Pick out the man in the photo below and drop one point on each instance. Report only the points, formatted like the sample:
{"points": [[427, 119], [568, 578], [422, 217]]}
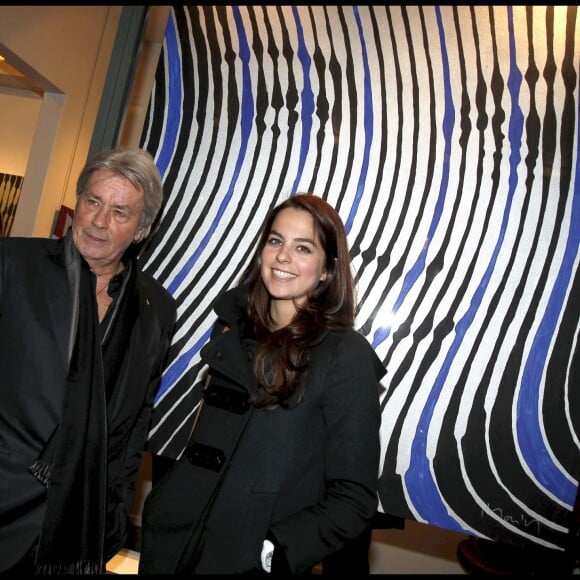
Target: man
{"points": [[83, 338]]}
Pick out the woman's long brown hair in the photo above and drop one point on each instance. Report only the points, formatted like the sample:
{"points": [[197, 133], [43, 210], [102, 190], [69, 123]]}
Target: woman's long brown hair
{"points": [[281, 360]]}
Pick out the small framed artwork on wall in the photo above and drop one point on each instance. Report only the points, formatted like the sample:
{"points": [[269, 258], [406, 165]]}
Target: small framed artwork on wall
{"points": [[10, 188], [63, 221]]}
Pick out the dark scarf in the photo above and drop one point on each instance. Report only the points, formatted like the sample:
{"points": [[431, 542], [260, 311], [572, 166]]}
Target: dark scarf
{"points": [[74, 463]]}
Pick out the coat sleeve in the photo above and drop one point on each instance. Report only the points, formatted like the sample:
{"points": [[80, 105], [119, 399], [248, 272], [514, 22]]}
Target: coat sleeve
{"points": [[351, 412]]}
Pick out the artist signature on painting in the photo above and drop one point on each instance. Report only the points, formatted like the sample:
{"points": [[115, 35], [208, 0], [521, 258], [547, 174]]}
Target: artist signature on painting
{"points": [[520, 521]]}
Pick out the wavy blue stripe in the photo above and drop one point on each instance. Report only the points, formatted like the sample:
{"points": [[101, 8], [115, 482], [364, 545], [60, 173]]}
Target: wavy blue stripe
{"points": [[174, 372], [247, 116], [421, 486], [382, 333], [307, 98], [528, 424], [368, 125], [174, 90], [422, 489]]}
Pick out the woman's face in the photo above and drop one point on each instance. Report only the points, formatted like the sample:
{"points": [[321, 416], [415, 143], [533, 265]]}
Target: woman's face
{"points": [[292, 260]]}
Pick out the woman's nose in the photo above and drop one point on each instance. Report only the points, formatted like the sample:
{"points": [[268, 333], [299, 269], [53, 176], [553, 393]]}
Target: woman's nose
{"points": [[282, 255]]}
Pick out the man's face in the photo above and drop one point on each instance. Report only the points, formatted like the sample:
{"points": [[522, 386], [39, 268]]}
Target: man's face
{"points": [[106, 219]]}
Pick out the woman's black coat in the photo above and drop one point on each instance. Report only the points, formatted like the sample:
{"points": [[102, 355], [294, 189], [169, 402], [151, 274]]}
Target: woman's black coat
{"points": [[307, 475]]}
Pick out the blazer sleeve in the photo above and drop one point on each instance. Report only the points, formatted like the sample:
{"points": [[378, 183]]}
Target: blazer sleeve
{"points": [[120, 507], [136, 445]]}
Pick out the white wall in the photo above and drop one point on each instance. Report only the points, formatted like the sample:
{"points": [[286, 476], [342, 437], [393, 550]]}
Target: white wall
{"points": [[18, 118], [67, 48]]}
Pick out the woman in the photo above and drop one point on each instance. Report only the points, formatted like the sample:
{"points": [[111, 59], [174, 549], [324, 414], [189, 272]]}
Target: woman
{"points": [[282, 466]]}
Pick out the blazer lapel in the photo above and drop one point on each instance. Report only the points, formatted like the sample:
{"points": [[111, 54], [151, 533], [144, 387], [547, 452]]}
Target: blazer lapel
{"points": [[140, 354], [60, 300]]}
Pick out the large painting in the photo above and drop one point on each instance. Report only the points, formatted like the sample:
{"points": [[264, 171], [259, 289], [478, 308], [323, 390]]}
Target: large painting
{"points": [[447, 138]]}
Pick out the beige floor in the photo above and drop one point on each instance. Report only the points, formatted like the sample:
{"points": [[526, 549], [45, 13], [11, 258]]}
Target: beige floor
{"points": [[418, 549], [125, 562]]}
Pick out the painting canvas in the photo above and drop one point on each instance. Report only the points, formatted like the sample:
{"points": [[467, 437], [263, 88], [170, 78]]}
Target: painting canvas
{"points": [[447, 139]]}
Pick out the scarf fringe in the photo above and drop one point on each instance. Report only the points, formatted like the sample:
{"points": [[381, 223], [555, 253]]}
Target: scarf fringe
{"points": [[76, 568], [41, 471]]}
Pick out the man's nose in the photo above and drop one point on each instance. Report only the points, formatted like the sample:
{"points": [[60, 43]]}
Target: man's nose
{"points": [[101, 216]]}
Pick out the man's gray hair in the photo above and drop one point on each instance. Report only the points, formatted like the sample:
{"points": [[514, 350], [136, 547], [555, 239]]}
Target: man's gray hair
{"points": [[136, 165]]}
